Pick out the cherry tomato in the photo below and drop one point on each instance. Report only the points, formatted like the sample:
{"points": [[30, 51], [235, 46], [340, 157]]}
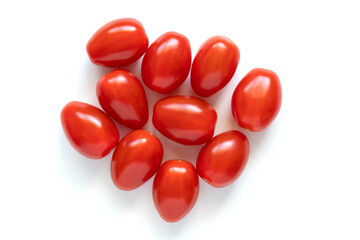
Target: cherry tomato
{"points": [[166, 63], [122, 96], [175, 189], [256, 100], [222, 160], [118, 43], [214, 65], [186, 120], [136, 159], [89, 130]]}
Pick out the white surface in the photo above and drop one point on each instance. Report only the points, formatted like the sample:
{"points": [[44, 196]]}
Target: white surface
{"points": [[302, 179]]}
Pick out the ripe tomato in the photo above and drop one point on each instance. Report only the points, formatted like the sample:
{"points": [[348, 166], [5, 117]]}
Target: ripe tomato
{"points": [[118, 43], [256, 100], [214, 65], [222, 160], [122, 96], [136, 159], [186, 120], [166, 63], [89, 130], [175, 189]]}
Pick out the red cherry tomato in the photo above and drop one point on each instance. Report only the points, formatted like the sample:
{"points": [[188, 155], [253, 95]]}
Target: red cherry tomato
{"points": [[118, 43], [175, 189], [186, 120], [222, 160], [257, 100], [136, 159], [214, 65], [89, 130], [166, 63], [122, 96]]}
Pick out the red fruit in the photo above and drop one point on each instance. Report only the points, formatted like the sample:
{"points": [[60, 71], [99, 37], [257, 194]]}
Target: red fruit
{"points": [[122, 96], [118, 43], [136, 159], [175, 189], [89, 130], [214, 65], [166, 63], [186, 120], [222, 160], [256, 100]]}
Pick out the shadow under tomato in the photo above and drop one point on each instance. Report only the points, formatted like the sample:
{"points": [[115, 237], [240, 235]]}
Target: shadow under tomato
{"points": [[78, 171], [256, 139], [211, 199], [174, 150], [169, 230], [122, 129], [184, 89], [92, 72], [135, 68], [165, 229], [120, 202], [214, 100]]}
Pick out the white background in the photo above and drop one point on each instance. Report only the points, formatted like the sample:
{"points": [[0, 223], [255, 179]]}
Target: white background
{"points": [[303, 176]]}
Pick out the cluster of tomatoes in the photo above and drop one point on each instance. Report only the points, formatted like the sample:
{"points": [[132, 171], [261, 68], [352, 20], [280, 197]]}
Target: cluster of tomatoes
{"points": [[186, 120]]}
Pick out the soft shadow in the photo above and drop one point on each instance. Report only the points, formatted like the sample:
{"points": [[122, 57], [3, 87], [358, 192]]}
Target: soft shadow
{"points": [[211, 199], [168, 230], [78, 171], [256, 139], [184, 89], [123, 201], [165, 229], [214, 99], [152, 97], [122, 129], [173, 150], [88, 79], [92, 72], [135, 68], [209, 202]]}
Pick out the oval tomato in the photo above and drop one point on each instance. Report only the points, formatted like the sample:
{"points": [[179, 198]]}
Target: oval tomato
{"points": [[122, 96], [175, 189], [118, 43], [89, 130], [184, 119], [222, 160], [214, 65], [136, 159], [256, 100], [166, 63]]}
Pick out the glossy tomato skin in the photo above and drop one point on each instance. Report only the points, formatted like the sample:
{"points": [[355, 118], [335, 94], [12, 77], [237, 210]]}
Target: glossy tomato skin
{"points": [[214, 65], [256, 100], [185, 119], [166, 63], [118, 43], [175, 189], [222, 160], [122, 96], [89, 130], [136, 159]]}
